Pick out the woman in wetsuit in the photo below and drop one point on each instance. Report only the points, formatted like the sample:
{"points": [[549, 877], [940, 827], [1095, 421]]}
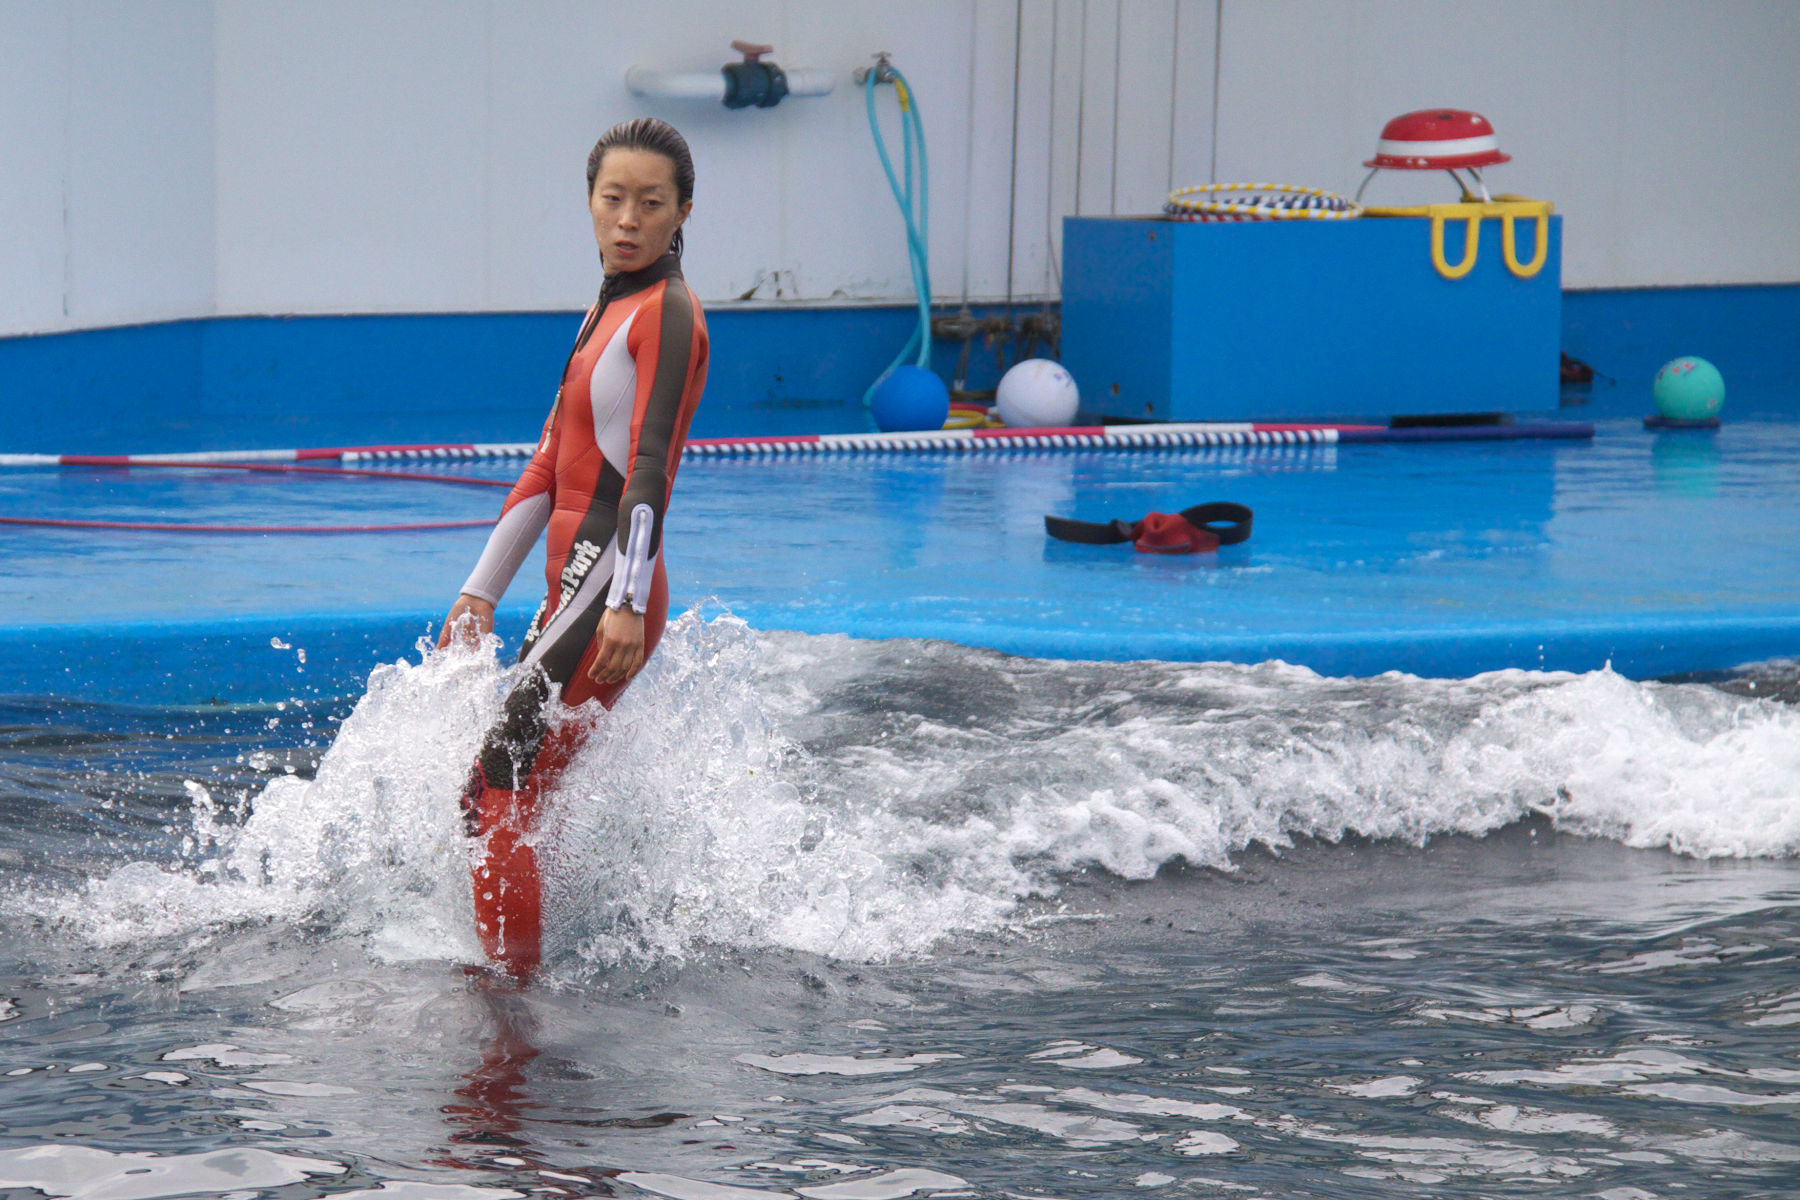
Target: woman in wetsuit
{"points": [[600, 482]]}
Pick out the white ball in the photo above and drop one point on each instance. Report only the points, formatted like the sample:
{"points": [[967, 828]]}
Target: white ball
{"points": [[1035, 394]]}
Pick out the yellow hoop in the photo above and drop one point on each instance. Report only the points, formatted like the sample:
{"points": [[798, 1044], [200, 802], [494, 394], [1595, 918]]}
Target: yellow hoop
{"points": [[961, 418], [1334, 208]]}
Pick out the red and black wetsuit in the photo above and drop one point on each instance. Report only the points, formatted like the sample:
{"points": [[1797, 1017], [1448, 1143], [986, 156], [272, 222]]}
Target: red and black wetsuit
{"points": [[600, 482]]}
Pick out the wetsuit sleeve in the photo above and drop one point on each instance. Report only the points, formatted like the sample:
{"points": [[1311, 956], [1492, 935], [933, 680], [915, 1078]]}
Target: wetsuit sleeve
{"points": [[522, 519], [668, 343]]}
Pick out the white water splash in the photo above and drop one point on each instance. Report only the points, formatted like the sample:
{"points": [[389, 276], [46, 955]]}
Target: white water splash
{"points": [[372, 846], [864, 800]]}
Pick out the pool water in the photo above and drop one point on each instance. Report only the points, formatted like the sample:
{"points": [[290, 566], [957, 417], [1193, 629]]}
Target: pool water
{"points": [[1653, 553], [853, 919], [931, 857]]}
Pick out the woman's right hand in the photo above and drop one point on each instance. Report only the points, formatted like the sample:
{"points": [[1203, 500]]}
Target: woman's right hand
{"points": [[458, 626]]}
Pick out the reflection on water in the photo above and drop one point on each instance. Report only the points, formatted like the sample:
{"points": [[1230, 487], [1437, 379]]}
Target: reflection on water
{"points": [[1686, 463], [1340, 1047], [491, 1104]]}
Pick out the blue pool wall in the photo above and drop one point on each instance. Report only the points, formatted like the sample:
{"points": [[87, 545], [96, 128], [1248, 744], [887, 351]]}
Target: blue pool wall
{"points": [[263, 381], [228, 382], [1751, 333]]}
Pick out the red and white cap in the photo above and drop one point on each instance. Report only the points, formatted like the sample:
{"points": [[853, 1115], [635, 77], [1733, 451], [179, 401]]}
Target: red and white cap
{"points": [[1437, 139]]}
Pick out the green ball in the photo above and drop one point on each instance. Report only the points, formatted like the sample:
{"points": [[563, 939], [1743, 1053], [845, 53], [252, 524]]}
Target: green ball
{"points": [[1689, 389]]}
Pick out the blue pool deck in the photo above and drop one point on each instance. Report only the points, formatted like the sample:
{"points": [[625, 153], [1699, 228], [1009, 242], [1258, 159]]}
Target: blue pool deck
{"points": [[1658, 553]]}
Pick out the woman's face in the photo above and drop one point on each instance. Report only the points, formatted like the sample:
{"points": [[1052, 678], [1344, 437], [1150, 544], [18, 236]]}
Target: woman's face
{"points": [[635, 208]]}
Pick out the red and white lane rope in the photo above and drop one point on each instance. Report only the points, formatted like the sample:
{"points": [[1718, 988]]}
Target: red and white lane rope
{"points": [[1075, 437], [1082, 437], [244, 458], [970, 440]]}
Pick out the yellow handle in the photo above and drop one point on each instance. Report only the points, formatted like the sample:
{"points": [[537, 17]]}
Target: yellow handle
{"points": [[1510, 241], [1471, 245], [1507, 208]]}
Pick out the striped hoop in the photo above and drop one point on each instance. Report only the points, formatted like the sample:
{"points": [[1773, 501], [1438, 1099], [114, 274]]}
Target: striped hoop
{"points": [[1257, 202]]}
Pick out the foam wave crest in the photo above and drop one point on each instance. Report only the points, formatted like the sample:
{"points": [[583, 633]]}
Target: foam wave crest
{"points": [[995, 769], [1687, 768], [863, 800]]}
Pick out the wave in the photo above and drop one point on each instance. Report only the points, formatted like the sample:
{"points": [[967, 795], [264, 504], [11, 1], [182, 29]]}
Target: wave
{"points": [[864, 800]]}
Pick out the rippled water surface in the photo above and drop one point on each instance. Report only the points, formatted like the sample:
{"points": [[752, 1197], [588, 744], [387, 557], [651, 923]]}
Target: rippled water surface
{"points": [[863, 920]]}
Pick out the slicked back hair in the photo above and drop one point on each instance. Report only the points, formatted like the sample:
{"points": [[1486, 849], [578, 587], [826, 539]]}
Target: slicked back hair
{"points": [[658, 137]]}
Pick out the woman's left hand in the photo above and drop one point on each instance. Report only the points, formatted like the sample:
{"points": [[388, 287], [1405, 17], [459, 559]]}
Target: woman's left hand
{"points": [[621, 640]]}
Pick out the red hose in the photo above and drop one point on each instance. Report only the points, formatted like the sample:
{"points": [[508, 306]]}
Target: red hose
{"points": [[74, 460], [186, 527], [283, 468]]}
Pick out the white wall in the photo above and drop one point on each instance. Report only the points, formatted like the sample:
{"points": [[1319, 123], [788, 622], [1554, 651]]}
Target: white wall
{"points": [[106, 163], [435, 161], [169, 158], [1664, 130]]}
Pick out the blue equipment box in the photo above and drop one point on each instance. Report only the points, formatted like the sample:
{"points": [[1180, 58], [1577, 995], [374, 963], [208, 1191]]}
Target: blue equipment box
{"points": [[1305, 320]]}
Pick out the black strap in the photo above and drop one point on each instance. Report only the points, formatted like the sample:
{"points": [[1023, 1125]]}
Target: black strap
{"points": [[1228, 522], [1090, 532]]}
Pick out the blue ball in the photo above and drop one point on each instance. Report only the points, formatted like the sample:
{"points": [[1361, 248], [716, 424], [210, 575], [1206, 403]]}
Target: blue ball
{"points": [[909, 399]]}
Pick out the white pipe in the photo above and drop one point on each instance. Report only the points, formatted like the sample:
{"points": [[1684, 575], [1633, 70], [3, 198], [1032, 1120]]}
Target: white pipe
{"points": [[809, 81], [653, 83]]}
